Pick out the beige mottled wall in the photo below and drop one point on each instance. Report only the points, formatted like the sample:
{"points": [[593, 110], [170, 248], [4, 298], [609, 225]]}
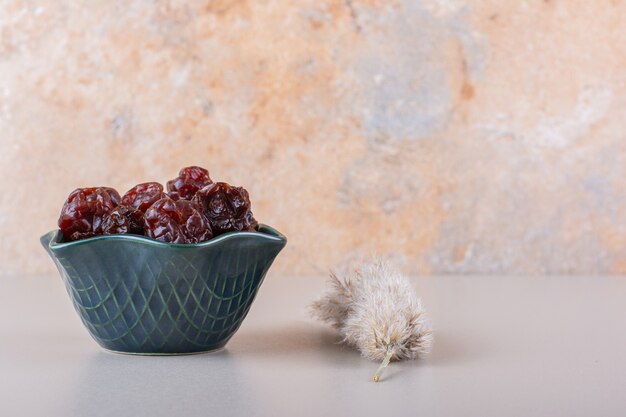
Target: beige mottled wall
{"points": [[455, 136]]}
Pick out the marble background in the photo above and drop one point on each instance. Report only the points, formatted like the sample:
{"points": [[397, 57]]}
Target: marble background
{"points": [[477, 136]]}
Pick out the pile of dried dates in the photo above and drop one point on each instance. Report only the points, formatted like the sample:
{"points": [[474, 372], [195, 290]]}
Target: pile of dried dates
{"points": [[193, 210]]}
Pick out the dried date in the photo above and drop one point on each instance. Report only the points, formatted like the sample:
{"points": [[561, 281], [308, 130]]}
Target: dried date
{"points": [[227, 208], [84, 211], [123, 220], [178, 221], [189, 181], [142, 196]]}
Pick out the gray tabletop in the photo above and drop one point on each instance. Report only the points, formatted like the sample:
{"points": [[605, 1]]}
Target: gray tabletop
{"points": [[504, 346]]}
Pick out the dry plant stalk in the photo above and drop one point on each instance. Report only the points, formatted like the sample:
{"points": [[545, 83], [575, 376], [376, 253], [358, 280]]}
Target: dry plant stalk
{"points": [[375, 310]]}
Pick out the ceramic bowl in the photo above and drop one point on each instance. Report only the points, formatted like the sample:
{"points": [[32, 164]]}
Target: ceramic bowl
{"points": [[142, 296]]}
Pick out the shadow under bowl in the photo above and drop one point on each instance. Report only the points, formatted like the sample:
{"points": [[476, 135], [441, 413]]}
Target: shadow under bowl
{"points": [[141, 296]]}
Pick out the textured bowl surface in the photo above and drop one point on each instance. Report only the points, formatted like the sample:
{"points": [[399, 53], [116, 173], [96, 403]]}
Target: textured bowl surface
{"points": [[138, 295]]}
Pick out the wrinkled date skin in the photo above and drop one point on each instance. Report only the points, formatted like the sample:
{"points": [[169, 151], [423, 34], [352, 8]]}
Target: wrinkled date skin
{"points": [[84, 211], [179, 221], [142, 196], [226, 207], [123, 220], [189, 181]]}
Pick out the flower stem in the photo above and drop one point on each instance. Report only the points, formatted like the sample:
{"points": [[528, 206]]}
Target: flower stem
{"points": [[383, 365]]}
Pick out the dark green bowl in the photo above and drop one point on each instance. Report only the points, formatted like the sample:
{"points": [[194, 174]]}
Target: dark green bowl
{"points": [[139, 295]]}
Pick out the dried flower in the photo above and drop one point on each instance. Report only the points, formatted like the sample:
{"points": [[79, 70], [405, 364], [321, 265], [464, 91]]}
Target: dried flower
{"points": [[375, 310]]}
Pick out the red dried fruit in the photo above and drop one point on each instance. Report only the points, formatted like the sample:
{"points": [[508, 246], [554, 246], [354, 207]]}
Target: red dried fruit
{"points": [[84, 210], [122, 220], [176, 222], [226, 207], [189, 181], [142, 196]]}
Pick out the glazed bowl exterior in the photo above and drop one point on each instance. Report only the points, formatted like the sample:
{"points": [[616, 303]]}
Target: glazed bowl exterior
{"points": [[142, 296]]}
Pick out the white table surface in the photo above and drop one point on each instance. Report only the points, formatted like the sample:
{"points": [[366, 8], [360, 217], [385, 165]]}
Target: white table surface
{"points": [[504, 346]]}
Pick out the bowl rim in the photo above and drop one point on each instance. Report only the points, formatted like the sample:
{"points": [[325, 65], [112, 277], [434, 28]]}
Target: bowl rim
{"points": [[264, 232]]}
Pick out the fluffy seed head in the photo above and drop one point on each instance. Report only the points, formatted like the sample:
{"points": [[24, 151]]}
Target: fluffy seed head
{"points": [[376, 311]]}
